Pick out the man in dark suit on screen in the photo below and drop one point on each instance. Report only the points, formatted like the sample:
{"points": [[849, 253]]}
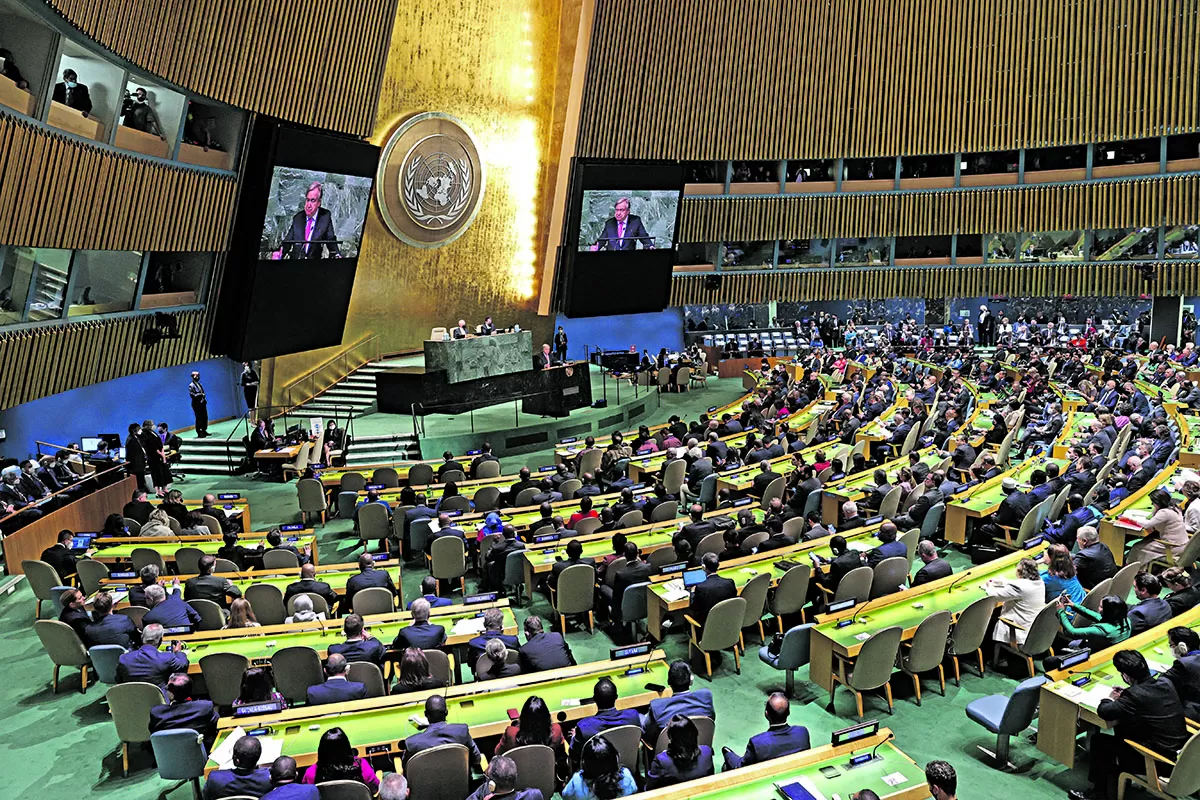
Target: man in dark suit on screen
{"points": [[311, 230], [624, 231]]}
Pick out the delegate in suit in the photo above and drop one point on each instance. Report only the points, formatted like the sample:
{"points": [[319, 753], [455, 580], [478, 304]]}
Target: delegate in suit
{"points": [[624, 231], [311, 233]]}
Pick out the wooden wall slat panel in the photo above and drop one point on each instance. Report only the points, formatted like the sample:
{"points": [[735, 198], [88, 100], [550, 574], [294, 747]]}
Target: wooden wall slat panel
{"points": [[979, 76], [88, 198], [46, 361], [288, 59], [1145, 202]]}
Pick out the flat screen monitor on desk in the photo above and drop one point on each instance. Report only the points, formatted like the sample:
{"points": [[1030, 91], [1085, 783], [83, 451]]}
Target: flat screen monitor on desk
{"points": [[89, 444]]}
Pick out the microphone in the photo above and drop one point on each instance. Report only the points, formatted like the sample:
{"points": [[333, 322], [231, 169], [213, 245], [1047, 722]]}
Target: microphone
{"points": [[864, 607], [885, 739], [957, 581]]}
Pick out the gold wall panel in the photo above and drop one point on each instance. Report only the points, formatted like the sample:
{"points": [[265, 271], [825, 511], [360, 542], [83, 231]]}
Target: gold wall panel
{"points": [[317, 62], [770, 79], [1090, 206], [56, 191], [1107, 280], [40, 362], [494, 65]]}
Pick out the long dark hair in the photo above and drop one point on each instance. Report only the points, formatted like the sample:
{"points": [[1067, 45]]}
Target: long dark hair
{"points": [[414, 668], [257, 686], [114, 525], [1114, 611], [450, 489], [335, 758], [601, 768], [1161, 498], [533, 726], [683, 742]]}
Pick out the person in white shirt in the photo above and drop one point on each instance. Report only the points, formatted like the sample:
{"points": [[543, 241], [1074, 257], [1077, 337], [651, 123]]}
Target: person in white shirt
{"points": [[1023, 596]]}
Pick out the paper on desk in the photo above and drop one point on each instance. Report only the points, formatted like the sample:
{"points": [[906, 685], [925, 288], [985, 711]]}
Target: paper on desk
{"points": [[1093, 694], [468, 625], [894, 779], [674, 590], [1157, 666], [272, 748]]}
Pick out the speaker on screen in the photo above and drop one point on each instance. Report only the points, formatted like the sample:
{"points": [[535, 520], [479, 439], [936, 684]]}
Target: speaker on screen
{"points": [[619, 241], [296, 240]]}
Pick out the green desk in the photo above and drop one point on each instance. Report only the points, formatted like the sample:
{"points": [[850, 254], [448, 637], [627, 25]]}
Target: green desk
{"points": [[660, 602], [1064, 706], [757, 782], [855, 487], [1078, 432], [166, 547], [1126, 520], [259, 644], [540, 560], [983, 500], [907, 609], [522, 518], [379, 725]]}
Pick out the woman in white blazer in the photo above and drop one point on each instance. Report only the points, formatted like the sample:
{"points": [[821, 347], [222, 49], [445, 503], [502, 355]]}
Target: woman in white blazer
{"points": [[1023, 596]]}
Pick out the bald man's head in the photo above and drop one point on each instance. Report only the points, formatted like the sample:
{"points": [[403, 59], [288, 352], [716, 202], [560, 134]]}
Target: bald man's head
{"points": [[435, 709], [308, 572], [778, 708]]}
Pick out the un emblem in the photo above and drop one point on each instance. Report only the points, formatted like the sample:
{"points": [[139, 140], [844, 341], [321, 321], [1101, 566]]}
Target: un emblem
{"points": [[430, 180]]}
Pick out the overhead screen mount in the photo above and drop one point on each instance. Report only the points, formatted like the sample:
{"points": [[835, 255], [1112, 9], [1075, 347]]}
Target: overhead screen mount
{"points": [[296, 239], [620, 237]]}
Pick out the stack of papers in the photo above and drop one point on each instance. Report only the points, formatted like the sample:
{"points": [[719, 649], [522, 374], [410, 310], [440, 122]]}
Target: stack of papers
{"points": [[674, 590], [1089, 695], [467, 625], [272, 748]]}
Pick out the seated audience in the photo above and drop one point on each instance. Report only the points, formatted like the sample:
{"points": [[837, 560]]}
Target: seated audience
{"points": [[207, 586], [1185, 672], [1184, 595], [600, 774], [493, 628], [684, 700], [109, 628], [246, 779], [604, 695], [1150, 610], [148, 663], [779, 739], [420, 634], [414, 673], [337, 688], [308, 584], [336, 761], [241, 615], [359, 644], [303, 611], [75, 614], [685, 759], [1097, 629], [368, 577], [1094, 562], [494, 663], [533, 726], [181, 711], [429, 594], [935, 566], [501, 783], [543, 650], [258, 686], [59, 556], [441, 732], [1060, 577], [285, 782], [170, 611]]}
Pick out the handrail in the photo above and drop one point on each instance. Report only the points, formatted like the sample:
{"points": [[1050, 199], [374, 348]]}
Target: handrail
{"points": [[348, 348], [115, 468], [243, 426], [58, 447]]}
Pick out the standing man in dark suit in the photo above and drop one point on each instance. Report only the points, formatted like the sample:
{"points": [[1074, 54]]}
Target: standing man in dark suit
{"points": [[135, 457], [935, 567], [1148, 713], [335, 689], [367, 577], [60, 556], [544, 359], [624, 231], [73, 94], [311, 232], [779, 739], [184, 712], [148, 663], [440, 732], [542, 650], [199, 405], [560, 344], [712, 590]]}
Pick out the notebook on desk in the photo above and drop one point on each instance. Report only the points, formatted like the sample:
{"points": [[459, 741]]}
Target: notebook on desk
{"points": [[674, 590]]}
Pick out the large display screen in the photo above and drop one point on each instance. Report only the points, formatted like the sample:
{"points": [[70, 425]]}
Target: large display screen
{"points": [[296, 242], [617, 220], [619, 246], [314, 214]]}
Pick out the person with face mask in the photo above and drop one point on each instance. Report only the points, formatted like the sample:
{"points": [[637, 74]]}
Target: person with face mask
{"points": [[137, 113], [73, 94]]}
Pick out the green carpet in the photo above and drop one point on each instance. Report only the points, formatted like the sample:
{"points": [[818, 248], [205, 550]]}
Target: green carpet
{"points": [[64, 746]]}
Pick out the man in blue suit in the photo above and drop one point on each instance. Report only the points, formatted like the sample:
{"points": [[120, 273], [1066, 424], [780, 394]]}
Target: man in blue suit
{"points": [[440, 732], [246, 778], [624, 231], [890, 547], [184, 712], [608, 716], [335, 689], [170, 611], [367, 578], [359, 645], [429, 594], [493, 628], [501, 783], [684, 700], [147, 663], [420, 634], [779, 739], [109, 628], [285, 782]]}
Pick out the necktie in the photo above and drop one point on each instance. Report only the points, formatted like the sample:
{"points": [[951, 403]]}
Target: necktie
{"points": [[308, 234], [620, 231]]}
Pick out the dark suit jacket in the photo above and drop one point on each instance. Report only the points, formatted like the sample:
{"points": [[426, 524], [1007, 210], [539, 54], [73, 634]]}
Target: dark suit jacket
{"points": [[664, 772], [545, 651], [1148, 613], [1149, 713], [695, 531], [1185, 675], [1094, 563], [938, 568], [323, 233], [708, 593], [305, 586], [172, 613], [81, 99], [62, 559], [559, 566], [886, 550], [198, 715], [638, 572], [598, 723], [293, 791], [543, 360], [477, 645], [761, 481], [151, 665], [635, 233], [365, 580], [335, 691], [692, 703], [362, 650], [423, 636], [776, 741], [440, 733], [114, 629], [138, 511], [233, 782]]}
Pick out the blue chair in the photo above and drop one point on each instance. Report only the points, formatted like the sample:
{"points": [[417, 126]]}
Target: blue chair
{"points": [[514, 573], [707, 491], [104, 661], [792, 655], [1007, 716], [180, 755], [633, 606], [56, 605]]}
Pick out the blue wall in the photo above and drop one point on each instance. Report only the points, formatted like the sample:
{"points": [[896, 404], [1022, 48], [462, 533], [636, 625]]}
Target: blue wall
{"points": [[109, 407], [648, 331]]}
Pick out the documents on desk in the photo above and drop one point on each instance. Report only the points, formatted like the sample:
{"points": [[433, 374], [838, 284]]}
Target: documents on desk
{"points": [[467, 625], [1089, 696], [272, 749], [674, 590]]}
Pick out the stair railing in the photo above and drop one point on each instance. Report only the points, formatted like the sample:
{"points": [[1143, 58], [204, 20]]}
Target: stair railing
{"points": [[330, 372]]}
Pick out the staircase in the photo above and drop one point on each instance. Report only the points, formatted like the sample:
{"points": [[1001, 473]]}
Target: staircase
{"points": [[211, 456], [383, 449], [356, 391], [49, 293]]}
